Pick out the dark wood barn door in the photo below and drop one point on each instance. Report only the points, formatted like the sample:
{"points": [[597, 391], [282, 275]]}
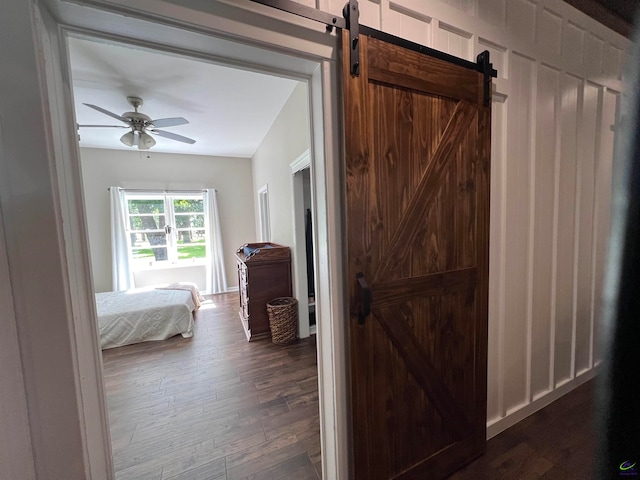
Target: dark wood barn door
{"points": [[417, 212]]}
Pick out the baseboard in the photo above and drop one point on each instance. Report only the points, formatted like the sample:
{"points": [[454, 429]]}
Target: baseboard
{"points": [[496, 426], [312, 330], [232, 289]]}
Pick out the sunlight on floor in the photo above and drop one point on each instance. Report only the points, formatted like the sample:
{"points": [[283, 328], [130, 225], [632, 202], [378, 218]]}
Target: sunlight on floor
{"points": [[208, 305]]}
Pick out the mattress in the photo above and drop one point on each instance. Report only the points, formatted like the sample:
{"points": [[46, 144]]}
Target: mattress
{"points": [[136, 316]]}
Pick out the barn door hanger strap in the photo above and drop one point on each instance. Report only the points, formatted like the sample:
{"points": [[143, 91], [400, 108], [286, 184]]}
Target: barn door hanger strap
{"points": [[485, 66], [351, 13]]}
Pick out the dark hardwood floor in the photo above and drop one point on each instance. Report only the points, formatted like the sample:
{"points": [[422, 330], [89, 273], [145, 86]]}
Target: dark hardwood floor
{"points": [[215, 406], [555, 443]]}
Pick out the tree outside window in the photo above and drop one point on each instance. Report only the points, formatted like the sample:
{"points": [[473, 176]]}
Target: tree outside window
{"points": [[166, 229]]}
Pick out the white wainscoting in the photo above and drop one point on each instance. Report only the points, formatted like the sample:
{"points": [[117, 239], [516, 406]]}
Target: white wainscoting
{"points": [[554, 111]]}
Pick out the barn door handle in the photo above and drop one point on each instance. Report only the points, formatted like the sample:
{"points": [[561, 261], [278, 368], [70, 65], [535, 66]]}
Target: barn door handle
{"points": [[364, 299]]}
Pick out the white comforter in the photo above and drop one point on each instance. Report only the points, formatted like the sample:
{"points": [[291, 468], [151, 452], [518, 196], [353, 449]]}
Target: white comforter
{"points": [[137, 316]]}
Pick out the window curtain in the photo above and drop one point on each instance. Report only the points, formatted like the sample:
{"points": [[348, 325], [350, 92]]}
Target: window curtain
{"points": [[216, 280], [121, 272]]}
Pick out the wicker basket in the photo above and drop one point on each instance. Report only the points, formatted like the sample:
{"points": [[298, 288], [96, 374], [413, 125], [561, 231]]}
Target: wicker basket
{"points": [[283, 319]]}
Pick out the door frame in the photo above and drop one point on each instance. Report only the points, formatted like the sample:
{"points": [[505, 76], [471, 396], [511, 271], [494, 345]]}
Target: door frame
{"points": [[310, 54], [299, 252], [264, 214]]}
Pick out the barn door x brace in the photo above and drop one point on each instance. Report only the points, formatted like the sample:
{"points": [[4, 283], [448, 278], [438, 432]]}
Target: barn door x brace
{"points": [[350, 21]]}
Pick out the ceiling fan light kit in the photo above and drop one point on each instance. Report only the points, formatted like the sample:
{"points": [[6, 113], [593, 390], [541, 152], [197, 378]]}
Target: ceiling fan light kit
{"points": [[142, 140], [140, 124]]}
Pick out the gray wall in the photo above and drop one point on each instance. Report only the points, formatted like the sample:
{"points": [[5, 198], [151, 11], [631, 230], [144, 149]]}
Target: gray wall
{"points": [[231, 177], [287, 139]]}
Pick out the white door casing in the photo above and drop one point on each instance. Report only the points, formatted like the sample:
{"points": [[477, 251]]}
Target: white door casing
{"points": [[299, 252], [264, 214]]}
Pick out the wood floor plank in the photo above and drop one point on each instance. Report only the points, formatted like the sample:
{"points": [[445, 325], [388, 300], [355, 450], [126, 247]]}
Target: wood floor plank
{"points": [[301, 421], [195, 408], [257, 459], [198, 462], [215, 470], [296, 468]]}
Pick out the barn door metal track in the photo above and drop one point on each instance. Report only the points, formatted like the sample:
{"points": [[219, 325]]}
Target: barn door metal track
{"points": [[350, 21]]}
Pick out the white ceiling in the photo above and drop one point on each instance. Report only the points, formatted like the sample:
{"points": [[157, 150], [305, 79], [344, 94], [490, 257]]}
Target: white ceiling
{"points": [[230, 110]]}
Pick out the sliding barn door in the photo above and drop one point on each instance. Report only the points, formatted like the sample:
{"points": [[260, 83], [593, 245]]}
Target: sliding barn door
{"points": [[417, 211]]}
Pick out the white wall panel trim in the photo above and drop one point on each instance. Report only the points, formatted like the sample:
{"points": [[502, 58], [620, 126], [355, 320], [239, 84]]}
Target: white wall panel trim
{"points": [[576, 229], [531, 228], [594, 234], [496, 426], [452, 29], [502, 139], [554, 261], [411, 12]]}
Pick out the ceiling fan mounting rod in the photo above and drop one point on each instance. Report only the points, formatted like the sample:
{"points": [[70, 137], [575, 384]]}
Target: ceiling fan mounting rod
{"points": [[135, 102]]}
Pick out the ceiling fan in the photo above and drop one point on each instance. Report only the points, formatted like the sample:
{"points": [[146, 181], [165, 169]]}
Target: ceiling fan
{"points": [[140, 124]]}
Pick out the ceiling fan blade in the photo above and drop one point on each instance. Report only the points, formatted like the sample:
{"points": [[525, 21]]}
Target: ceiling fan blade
{"points": [[107, 112], [173, 136], [105, 126], [169, 122]]}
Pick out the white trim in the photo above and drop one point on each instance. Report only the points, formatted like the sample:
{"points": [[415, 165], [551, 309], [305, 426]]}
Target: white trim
{"points": [[520, 412], [594, 229], [303, 161], [299, 241], [264, 213], [531, 233], [67, 197], [500, 299], [232, 289], [331, 305]]}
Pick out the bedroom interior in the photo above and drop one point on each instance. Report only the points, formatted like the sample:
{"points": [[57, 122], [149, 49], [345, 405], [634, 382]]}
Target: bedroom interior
{"points": [[234, 396]]}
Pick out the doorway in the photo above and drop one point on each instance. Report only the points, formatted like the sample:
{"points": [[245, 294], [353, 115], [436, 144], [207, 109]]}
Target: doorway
{"points": [[321, 76], [304, 273], [193, 378]]}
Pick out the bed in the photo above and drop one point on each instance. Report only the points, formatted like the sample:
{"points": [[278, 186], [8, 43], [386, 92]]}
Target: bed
{"points": [[136, 316]]}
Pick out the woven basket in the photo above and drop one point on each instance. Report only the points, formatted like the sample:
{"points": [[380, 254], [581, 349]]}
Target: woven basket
{"points": [[283, 319]]}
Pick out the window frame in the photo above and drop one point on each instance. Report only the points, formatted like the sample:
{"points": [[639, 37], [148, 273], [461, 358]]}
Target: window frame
{"points": [[170, 229]]}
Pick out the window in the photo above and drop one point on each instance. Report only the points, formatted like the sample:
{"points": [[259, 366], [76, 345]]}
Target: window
{"points": [[166, 229]]}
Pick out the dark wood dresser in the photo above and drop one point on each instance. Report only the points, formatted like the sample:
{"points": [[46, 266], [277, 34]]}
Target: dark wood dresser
{"points": [[263, 274]]}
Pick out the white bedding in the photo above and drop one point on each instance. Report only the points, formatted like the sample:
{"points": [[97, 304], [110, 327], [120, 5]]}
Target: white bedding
{"points": [[140, 315]]}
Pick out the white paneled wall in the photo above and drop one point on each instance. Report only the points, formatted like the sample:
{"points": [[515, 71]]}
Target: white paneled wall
{"points": [[554, 111]]}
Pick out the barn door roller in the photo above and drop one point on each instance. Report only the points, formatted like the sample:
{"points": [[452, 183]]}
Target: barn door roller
{"points": [[351, 14], [351, 21]]}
